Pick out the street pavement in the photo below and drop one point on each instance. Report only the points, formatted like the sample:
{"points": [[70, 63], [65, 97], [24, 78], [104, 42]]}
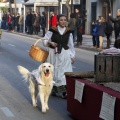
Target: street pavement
{"points": [[86, 44]]}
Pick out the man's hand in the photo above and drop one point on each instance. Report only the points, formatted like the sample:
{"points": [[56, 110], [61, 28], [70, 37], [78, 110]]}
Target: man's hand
{"points": [[109, 14]]}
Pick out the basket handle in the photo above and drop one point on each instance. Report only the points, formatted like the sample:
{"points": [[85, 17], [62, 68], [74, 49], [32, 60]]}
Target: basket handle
{"points": [[39, 40]]}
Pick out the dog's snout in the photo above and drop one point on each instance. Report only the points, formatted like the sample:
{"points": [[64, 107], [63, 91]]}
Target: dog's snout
{"points": [[47, 70]]}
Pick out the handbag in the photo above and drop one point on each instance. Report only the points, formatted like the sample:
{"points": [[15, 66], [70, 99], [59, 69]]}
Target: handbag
{"points": [[38, 53], [81, 30]]}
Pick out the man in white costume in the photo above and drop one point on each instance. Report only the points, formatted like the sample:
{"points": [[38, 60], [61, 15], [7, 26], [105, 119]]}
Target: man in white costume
{"points": [[59, 41]]}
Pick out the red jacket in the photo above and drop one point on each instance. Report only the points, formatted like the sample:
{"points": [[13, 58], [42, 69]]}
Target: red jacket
{"points": [[9, 20], [53, 21]]}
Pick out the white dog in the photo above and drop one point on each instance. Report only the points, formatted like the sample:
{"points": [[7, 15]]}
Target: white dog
{"points": [[40, 81]]}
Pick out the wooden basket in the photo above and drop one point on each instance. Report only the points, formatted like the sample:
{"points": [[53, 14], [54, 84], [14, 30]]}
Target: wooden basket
{"points": [[38, 53]]}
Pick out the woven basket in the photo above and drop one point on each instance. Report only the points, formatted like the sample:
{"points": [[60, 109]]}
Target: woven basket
{"points": [[37, 53]]}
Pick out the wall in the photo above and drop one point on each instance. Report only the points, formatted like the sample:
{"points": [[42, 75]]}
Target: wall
{"points": [[88, 19]]}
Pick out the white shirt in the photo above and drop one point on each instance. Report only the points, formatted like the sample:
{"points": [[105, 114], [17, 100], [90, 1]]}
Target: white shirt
{"points": [[61, 30]]}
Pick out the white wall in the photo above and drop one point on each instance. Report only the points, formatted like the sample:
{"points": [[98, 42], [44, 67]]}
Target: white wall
{"points": [[88, 22]]}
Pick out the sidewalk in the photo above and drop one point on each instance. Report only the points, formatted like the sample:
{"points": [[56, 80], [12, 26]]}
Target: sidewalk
{"points": [[87, 40], [88, 44]]}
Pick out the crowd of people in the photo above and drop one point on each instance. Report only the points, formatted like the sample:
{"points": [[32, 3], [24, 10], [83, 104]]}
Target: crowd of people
{"points": [[104, 28], [34, 22]]}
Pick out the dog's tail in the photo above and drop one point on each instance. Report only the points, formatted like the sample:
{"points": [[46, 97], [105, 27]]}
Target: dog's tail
{"points": [[25, 73]]}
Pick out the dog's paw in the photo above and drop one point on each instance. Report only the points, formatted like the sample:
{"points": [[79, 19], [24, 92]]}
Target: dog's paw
{"points": [[44, 110], [34, 105], [47, 108]]}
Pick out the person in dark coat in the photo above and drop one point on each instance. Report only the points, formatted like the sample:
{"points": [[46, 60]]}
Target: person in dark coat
{"points": [[36, 24], [80, 29], [13, 19], [29, 22], [116, 22], [4, 20], [72, 24], [43, 23], [108, 32], [101, 33], [117, 44], [17, 22]]}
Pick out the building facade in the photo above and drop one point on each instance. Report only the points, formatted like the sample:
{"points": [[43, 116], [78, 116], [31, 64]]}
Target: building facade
{"points": [[91, 9]]}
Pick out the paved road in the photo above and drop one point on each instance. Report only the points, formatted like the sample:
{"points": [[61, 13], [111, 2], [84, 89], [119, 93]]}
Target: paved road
{"points": [[15, 101]]}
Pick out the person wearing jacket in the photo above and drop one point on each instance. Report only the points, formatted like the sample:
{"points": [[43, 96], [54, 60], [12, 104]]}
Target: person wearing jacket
{"points": [[95, 37], [43, 23], [72, 24], [53, 19], [108, 32], [101, 33], [36, 24], [116, 22], [21, 22], [17, 22], [80, 29]]}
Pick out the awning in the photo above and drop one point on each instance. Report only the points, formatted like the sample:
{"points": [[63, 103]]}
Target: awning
{"points": [[42, 2]]}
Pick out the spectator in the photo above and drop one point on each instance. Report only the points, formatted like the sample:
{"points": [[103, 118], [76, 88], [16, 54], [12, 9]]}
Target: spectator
{"points": [[13, 21], [117, 44], [9, 21], [33, 20], [95, 37], [53, 19], [4, 20], [26, 24], [80, 29], [101, 31], [21, 22], [36, 24], [116, 22], [29, 23], [72, 24], [17, 22], [108, 32], [77, 12], [43, 23]]}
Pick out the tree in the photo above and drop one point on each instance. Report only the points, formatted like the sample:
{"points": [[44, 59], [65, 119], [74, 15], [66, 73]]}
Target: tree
{"points": [[3, 9]]}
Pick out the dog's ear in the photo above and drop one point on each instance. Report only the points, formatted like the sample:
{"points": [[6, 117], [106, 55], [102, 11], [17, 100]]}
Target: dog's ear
{"points": [[40, 68]]}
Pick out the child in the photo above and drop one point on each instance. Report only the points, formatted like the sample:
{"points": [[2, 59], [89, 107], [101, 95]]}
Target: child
{"points": [[95, 35]]}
